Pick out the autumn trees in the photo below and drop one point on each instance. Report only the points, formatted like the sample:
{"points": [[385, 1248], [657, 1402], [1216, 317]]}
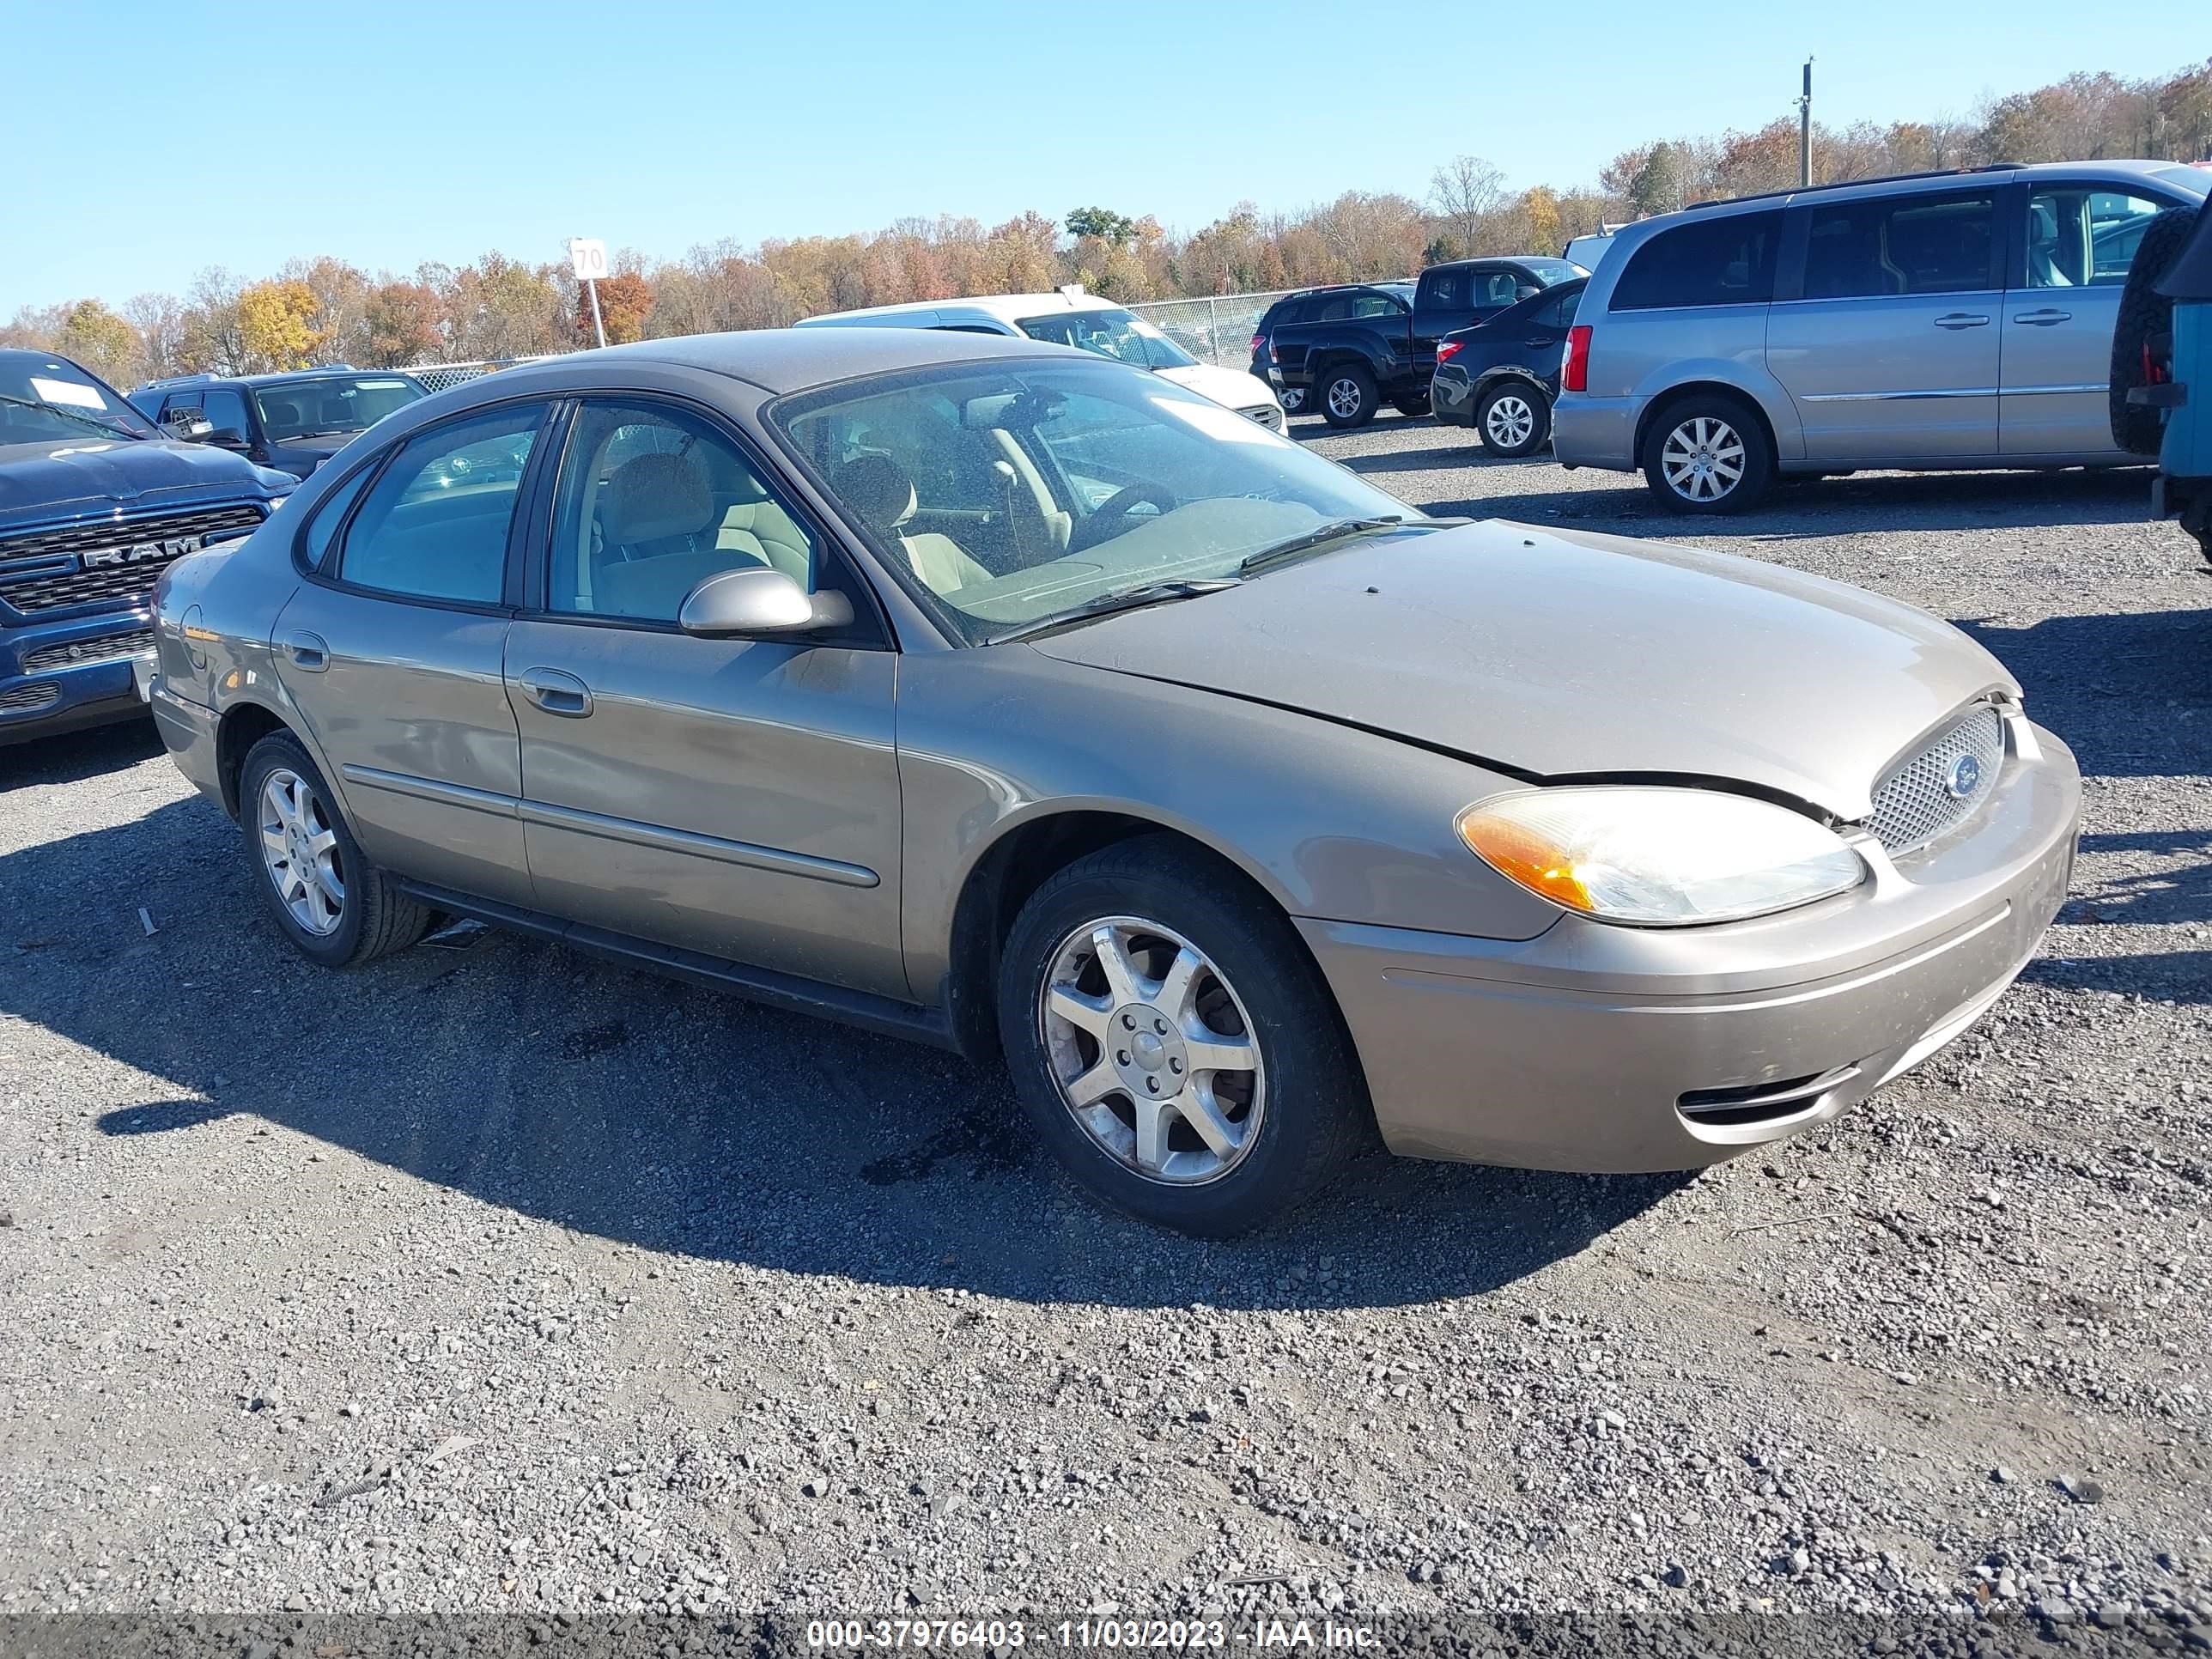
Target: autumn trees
{"points": [[324, 310]]}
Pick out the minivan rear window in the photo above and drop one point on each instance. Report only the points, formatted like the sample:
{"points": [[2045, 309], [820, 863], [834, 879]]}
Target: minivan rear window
{"points": [[1727, 260]]}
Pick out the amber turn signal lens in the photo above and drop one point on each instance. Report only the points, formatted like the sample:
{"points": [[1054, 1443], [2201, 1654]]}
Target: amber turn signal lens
{"points": [[1532, 859]]}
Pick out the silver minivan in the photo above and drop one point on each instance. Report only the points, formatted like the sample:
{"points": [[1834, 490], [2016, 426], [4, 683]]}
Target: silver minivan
{"points": [[1940, 320]]}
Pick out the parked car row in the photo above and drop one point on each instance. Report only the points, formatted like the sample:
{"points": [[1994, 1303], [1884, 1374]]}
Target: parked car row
{"points": [[1343, 351]]}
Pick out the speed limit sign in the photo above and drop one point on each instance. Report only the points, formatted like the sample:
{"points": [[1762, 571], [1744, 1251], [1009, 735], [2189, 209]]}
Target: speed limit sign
{"points": [[588, 258]]}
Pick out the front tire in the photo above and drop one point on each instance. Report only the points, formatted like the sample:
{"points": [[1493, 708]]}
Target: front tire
{"points": [[1172, 1042], [1707, 454], [1515, 420], [335, 907], [1347, 395]]}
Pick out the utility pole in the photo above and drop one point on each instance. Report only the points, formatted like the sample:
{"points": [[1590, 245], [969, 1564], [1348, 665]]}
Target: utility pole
{"points": [[1805, 132]]}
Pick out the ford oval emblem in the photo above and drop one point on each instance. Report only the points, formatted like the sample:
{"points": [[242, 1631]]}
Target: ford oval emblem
{"points": [[1964, 777]]}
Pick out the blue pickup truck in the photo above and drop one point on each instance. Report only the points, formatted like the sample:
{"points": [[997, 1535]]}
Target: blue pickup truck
{"points": [[94, 502]]}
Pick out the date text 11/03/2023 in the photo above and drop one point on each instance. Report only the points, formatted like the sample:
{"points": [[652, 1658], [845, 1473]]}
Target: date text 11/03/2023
{"points": [[1088, 1634]]}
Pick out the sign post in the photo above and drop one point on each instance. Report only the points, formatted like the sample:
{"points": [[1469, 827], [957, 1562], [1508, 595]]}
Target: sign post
{"points": [[588, 258]]}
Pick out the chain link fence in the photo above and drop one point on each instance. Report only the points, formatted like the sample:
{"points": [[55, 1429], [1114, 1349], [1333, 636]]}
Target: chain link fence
{"points": [[439, 376], [1215, 329]]}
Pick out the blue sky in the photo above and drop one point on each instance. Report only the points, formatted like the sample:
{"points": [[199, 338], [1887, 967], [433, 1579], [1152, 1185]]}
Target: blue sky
{"points": [[392, 132]]}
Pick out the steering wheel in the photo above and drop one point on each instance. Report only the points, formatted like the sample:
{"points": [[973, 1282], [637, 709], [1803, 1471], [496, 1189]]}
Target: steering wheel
{"points": [[1107, 519]]}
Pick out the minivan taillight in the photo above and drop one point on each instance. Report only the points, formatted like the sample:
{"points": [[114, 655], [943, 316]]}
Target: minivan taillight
{"points": [[1448, 350], [1574, 372]]}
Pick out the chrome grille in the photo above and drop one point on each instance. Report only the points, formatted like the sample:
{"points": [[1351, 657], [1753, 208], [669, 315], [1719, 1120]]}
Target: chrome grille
{"points": [[78, 653], [1941, 785], [45, 569], [21, 699]]}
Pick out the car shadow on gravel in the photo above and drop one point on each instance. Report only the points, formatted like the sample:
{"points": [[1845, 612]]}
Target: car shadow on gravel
{"points": [[1807, 507], [76, 756], [531, 1077]]}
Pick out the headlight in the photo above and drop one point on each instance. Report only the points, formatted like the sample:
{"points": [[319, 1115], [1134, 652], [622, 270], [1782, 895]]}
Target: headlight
{"points": [[269, 508], [1659, 857]]}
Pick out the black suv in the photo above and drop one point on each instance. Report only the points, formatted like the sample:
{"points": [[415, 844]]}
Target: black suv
{"points": [[293, 421], [94, 503], [1344, 351], [1500, 376]]}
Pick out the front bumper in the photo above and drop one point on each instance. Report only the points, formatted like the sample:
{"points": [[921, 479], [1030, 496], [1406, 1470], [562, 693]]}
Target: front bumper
{"points": [[1613, 1050], [1588, 431], [65, 677]]}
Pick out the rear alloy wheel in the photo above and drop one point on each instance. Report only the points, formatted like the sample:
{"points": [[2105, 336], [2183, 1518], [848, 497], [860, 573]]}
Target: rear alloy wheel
{"points": [[1347, 396], [1294, 399], [1514, 421], [336, 907], [1172, 1042], [1705, 455]]}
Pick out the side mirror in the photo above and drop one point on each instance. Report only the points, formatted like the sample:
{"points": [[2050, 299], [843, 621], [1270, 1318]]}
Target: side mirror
{"points": [[758, 599]]}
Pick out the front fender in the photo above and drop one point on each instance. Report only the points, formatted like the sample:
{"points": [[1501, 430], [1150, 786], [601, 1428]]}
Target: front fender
{"points": [[1331, 821]]}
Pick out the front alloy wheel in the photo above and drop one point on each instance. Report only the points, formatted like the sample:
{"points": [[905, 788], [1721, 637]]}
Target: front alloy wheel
{"points": [[1152, 1051], [299, 851], [1172, 1042]]}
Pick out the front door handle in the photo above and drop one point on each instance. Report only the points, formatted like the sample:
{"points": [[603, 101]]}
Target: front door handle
{"points": [[308, 652], [1962, 319], [556, 692], [2043, 318]]}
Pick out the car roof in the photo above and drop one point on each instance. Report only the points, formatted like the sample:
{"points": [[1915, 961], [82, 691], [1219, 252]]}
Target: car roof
{"points": [[1941, 179], [778, 360], [278, 377], [999, 307]]}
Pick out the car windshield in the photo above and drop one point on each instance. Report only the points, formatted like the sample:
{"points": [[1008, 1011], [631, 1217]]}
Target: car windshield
{"points": [[52, 400], [2196, 179], [1019, 490], [316, 408], [1120, 335]]}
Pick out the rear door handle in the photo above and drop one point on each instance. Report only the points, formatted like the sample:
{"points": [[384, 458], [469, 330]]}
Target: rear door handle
{"points": [[556, 692], [1962, 319], [2043, 318], [309, 653]]}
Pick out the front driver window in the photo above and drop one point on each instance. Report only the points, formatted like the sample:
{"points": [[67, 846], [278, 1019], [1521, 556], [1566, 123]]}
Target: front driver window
{"points": [[652, 500], [434, 524]]}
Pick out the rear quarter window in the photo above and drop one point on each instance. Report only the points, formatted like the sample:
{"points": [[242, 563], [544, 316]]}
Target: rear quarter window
{"points": [[1727, 260]]}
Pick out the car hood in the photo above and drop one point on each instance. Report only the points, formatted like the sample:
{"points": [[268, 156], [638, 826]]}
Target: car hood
{"points": [[45, 481], [1563, 655], [1231, 386]]}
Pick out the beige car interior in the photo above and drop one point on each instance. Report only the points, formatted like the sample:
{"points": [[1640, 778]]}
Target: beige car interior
{"points": [[655, 528]]}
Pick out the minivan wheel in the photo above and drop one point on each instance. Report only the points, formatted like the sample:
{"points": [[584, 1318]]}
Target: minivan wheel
{"points": [[1172, 1043], [336, 907], [1347, 396], [1707, 455], [1515, 420]]}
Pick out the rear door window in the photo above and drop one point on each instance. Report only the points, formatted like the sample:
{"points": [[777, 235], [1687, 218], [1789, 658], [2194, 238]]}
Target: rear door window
{"points": [[1901, 245], [434, 524], [1726, 260]]}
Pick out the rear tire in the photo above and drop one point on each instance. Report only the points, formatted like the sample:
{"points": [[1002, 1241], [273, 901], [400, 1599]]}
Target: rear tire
{"points": [[2142, 332], [1515, 419], [1707, 453], [1346, 395], [336, 908], [1412, 408], [1283, 1104]]}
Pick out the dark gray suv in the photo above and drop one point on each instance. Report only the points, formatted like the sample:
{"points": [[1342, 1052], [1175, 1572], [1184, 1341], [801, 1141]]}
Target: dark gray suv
{"points": [[1941, 320]]}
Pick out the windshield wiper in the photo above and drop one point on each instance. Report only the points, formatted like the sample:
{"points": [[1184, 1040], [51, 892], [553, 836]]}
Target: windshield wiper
{"points": [[1122, 598], [1319, 536], [79, 417]]}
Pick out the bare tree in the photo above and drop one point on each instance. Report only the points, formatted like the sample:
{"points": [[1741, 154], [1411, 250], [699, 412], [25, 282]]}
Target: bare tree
{"points": [[1464, 192]]}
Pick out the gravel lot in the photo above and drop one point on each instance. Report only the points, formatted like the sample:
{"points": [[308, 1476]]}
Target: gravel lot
{"points": [[494, 1278]]}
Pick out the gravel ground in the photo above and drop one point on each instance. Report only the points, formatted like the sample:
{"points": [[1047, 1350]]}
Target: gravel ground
{"points": [[495, 1280]]}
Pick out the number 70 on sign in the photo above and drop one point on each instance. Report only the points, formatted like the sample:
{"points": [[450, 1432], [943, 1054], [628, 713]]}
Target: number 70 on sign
{"points": [[588, 258]]}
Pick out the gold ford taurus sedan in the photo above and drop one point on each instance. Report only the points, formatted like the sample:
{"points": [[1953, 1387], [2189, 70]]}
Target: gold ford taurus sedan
{"points": [[991, 693]]}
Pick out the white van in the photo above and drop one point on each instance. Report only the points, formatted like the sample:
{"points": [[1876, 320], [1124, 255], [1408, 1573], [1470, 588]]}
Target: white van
{"points": [[1071, 317]]}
